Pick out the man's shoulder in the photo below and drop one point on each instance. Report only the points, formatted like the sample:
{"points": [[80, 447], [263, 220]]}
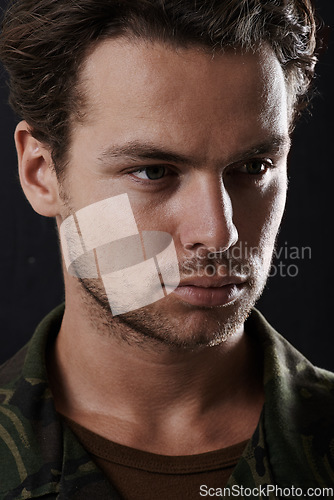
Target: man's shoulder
{"points": [[287, 372], [13, 394], [24, 389], [298, 413], [39, 455], [283, 361], [20, 430], [27, 418], [11, 370]]}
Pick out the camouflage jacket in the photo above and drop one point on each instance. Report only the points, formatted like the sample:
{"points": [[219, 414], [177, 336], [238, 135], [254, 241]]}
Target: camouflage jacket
{"points": [[293, 444]]}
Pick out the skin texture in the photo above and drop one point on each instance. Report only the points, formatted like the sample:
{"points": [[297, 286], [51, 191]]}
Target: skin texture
{"points": [[171, 378]]}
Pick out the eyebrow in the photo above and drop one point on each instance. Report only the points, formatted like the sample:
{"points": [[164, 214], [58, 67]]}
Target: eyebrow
{"points": [[134, 151], [277, 144], [137, 151]]}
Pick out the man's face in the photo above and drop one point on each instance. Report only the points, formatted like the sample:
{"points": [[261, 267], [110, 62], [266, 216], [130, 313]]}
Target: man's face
{"points": [[199, 145]]}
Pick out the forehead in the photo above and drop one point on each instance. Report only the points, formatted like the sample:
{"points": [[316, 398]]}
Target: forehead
{"points": [[186, 95]]}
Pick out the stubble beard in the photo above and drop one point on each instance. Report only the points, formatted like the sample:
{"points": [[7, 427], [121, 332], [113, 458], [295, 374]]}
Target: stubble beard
{"points": [[173, 323], [169, 322]]}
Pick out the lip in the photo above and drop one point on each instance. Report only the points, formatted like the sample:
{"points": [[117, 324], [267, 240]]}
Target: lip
{"points": [[206, 292], [212, 282]]}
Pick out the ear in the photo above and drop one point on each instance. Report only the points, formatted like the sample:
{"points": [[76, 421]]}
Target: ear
{"points": [[37, 176]]}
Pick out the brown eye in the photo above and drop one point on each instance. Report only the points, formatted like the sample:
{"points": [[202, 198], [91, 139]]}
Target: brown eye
{"points": [[255, 167]]}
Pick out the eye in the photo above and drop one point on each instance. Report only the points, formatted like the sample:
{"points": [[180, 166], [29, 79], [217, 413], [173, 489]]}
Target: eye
{"points": [[153, 173], [255, 167]]}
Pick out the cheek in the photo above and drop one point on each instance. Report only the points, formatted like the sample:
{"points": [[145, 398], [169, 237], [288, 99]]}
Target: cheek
{"points": [[275, 208], [258, 215], [275, 201], [153, 214]]}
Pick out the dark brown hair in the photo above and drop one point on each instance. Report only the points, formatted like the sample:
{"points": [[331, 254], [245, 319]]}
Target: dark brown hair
{"points": [[44, 43]]}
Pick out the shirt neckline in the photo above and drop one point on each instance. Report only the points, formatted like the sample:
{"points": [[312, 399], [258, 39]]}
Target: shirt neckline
{"points": [[110, 451]]}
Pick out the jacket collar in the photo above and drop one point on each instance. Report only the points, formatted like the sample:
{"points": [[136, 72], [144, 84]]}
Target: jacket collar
{"points": [[292, 443]]}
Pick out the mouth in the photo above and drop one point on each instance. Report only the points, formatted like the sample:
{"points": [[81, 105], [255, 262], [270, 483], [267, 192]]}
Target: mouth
{"points": [[207, 292]]}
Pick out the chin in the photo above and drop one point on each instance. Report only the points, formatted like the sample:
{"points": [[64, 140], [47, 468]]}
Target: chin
{"points": [[179, 325], [171, 321]]}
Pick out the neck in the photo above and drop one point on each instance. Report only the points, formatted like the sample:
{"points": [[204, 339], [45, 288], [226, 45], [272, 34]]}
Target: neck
{"points": [[132, 391]]}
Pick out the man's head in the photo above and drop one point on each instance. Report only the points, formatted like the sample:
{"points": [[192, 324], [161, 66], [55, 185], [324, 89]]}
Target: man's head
{"points": [[186, 108], [45, 42]]}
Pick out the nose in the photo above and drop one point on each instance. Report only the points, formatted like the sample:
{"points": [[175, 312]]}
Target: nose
{"points": [[207, 215]]}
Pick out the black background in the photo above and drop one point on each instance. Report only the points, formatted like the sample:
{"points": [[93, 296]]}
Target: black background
{"points": [[299, 307]]}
